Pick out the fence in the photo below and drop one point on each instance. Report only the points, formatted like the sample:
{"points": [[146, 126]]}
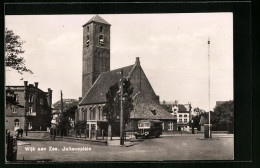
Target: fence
{"points": [[11, 147], [78, 133]]}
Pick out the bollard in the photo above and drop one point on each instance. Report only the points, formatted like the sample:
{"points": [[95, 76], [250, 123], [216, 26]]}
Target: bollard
{"points": [[80, 133], [102, 134]]}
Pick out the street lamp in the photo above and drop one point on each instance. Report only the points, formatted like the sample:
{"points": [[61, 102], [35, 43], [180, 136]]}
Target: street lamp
{"points": [[121, 110]]}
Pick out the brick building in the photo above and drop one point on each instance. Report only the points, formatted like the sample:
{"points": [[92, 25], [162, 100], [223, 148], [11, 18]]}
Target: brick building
{"points": [[35, 111], [97, 78], [181, 111]]}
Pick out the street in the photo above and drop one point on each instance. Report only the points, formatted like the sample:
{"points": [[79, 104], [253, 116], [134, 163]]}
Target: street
{"points": [[185, 147]]}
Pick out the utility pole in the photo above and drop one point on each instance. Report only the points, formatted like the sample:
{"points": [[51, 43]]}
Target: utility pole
{"points": [[209, 82], [121, 111], [61, 103]]}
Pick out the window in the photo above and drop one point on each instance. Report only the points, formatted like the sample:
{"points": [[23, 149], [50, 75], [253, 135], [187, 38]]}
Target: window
{"points": [[30, 98], [87, 43], [180, 120], [153, 111], [87, 28], [170, 126], [185, 115], [101, 40], [101, 29], [30, 109], [29, 125], [14, 110], [16, 97], [16, 124], [185, 120], [163, 126], [93, 114], [104, 115], [41, 101], [83, 114], [180, 115]]}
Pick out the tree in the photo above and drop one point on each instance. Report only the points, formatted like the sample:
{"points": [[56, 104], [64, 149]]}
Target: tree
{"points": [[223, 116], [112, 107], [13, 48], [70, 111], [196, 119], [128, 101], [64, 124]]}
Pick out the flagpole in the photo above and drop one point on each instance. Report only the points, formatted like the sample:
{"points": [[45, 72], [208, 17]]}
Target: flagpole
{"points": [[209, 81], [121, 111]]}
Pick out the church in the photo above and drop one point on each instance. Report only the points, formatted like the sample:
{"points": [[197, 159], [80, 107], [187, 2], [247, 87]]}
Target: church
{"points": [[97, 78]]}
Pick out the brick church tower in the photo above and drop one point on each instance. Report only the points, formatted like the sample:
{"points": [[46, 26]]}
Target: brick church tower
{"points": [[96, 51]]}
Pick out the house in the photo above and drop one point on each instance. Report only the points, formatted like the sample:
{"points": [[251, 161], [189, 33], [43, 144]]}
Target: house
{"points": [[181, 111], [97, 78], [34, 112], [66, 103]]}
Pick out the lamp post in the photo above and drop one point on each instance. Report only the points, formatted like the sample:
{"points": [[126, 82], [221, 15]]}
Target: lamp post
{"points": [[121, 111]]}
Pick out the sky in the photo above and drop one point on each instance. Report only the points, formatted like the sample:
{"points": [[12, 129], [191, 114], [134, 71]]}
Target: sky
{"points": [[173, 51]]}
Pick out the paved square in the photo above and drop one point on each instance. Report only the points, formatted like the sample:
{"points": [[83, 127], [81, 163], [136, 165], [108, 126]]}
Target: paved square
{"points": [[185, 147]]}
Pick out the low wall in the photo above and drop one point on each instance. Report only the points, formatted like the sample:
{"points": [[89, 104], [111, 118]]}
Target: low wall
{"points": [[37, 134], [80, 140]]}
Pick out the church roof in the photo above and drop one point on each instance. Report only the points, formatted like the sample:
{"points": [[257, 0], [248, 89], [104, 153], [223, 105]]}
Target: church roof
{"points": [[98, 19], [145, 108], [97, 93]]}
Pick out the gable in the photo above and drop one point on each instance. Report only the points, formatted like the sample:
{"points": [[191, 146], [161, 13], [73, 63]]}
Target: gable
{"points": [[141, 83]]}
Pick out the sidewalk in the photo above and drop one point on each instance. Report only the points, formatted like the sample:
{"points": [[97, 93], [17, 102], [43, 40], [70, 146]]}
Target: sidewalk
{"points": [[117, 143]]}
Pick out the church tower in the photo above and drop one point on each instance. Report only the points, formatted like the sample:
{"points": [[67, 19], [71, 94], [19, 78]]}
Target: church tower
{"points": [[96, 51]]}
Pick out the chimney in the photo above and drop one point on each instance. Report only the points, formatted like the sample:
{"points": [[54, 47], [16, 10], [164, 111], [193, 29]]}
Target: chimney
{"points": [[36, 84], [80, 98], [50, 97], [25, 83], [137, 61]]}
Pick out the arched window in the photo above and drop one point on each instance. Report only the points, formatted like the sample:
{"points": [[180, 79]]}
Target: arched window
{"points": [[83, 114], [101, 40], [87, 43]]}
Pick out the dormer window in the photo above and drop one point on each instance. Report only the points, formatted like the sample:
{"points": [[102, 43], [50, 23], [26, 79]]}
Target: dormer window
{"points": [[153, 111], [101, 40]]}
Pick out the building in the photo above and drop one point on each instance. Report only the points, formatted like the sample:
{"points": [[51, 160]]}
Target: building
{"points": [[66, 103], [97, 78], [56, 111], [35, 111], [181, 111]]}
